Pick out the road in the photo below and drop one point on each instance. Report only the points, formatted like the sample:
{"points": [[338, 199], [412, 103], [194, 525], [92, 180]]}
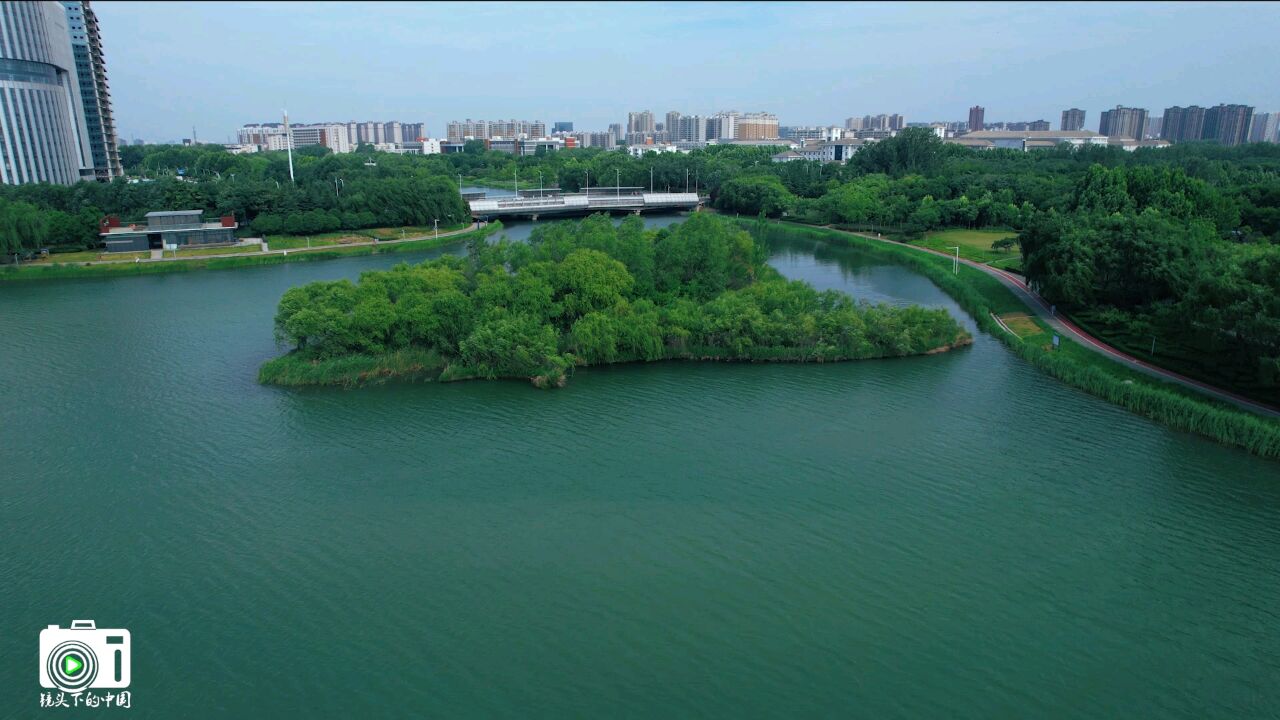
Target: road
{"points": [[318, 248], [1069, 329]]}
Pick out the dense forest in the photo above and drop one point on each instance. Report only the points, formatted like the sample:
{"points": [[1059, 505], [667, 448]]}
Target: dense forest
{"points": [[590, 293], [1177, 247]]}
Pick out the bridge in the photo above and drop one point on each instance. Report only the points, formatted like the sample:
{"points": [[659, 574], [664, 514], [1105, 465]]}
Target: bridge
{"points": [[582, 204]]}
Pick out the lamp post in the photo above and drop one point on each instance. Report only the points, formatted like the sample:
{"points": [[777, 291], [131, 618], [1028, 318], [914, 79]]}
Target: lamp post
{"points": [[588, 187], [437, 227], [539, 184], [955, 262], [618, 181], [650, 178]]}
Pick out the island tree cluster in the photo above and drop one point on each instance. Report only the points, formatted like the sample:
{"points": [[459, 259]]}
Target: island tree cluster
{"points": [[592, 292]]}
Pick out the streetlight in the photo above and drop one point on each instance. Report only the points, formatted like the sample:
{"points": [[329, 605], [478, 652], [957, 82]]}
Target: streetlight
{"points": [[588, 184], [650, 178], [955, 263], [539, 184], [437, 227], [618, 180]]}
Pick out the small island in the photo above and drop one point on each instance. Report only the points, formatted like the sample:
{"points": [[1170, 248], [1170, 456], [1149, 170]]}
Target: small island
{"points": [[585, 293]]}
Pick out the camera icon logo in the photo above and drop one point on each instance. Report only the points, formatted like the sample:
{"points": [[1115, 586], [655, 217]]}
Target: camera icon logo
{"points": [[83, 656]]}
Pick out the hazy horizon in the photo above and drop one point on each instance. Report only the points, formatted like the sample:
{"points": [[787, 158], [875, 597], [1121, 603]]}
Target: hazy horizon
{"points": [[217, 66]]}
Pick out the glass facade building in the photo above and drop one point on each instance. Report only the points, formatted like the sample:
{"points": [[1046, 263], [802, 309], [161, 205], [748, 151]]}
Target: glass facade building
{"points": [[43, 136]]}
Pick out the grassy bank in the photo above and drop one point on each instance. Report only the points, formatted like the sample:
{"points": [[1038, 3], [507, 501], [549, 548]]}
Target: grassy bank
{"points": [[974, 245], [60, 271], [981, 295]]}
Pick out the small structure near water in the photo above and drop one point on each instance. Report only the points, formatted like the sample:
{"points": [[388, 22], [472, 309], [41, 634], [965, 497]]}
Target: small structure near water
{"points": [[167, 230]]}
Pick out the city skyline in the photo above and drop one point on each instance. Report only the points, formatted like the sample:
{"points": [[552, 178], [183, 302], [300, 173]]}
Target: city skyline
{"points": [[980, 49]]}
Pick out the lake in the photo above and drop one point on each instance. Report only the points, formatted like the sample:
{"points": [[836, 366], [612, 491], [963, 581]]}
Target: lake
{"points": [[947, 536]]}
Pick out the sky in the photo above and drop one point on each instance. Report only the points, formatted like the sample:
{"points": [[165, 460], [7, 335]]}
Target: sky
{"points": [[216, 66]]}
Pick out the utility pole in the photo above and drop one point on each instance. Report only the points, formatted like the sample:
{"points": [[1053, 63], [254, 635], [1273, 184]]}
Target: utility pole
{"points": [[686, 179], [437, 227], [618, 182], [650, 178], [588, 184], [288, 143], [955, 263]]}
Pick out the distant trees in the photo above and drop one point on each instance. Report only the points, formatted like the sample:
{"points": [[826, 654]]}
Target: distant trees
{"points": [[756, 194]]}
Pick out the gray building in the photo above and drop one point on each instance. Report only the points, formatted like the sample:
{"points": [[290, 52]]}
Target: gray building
{"points": [[43, 136], [1072, 119], [977, 114], [95, 94], [1124, 122], [562, 126], [1228, 124], [167, 229], [1182, 124], [1265, 127]]}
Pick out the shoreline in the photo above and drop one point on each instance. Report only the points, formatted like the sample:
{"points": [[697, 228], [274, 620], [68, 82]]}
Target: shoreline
{"points": [[99, 269], [981, 295], [291, 371]]}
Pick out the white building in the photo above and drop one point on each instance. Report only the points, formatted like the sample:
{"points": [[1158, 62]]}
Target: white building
{"points": [[637, 151], [331, 135], [425, 146], [826, 151]]}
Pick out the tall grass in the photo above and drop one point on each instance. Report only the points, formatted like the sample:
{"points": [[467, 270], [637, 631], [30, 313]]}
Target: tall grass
{"points": [[980, 295], [296, 369]]}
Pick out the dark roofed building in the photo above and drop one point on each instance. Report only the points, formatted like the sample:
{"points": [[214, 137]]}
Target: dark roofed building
{"points": [[167, 229]]}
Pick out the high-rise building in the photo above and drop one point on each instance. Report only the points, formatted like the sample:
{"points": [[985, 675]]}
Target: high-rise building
{"points": [[95, 96], [1228, 124], [616, 130], [1072, 119], [456, 131], [1124, 122], [976, 115], [43, 136], [640, 122], [562, 126], [756, 126], [1264, 128], [1182, 124], [853, 123], [414, 132], [897, 122]]}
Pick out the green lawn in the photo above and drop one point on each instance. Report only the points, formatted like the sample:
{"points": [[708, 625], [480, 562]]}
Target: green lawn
{"points": [[293, 242], [396, 233], [974, 245], [88, 256], [235, 250]]}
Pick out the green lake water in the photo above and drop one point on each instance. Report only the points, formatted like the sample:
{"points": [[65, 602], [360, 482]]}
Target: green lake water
{"points": [[951, 536]]}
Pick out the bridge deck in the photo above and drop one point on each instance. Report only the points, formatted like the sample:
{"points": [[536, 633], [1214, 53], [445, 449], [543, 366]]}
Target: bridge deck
{"points": [[581, 203]]}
